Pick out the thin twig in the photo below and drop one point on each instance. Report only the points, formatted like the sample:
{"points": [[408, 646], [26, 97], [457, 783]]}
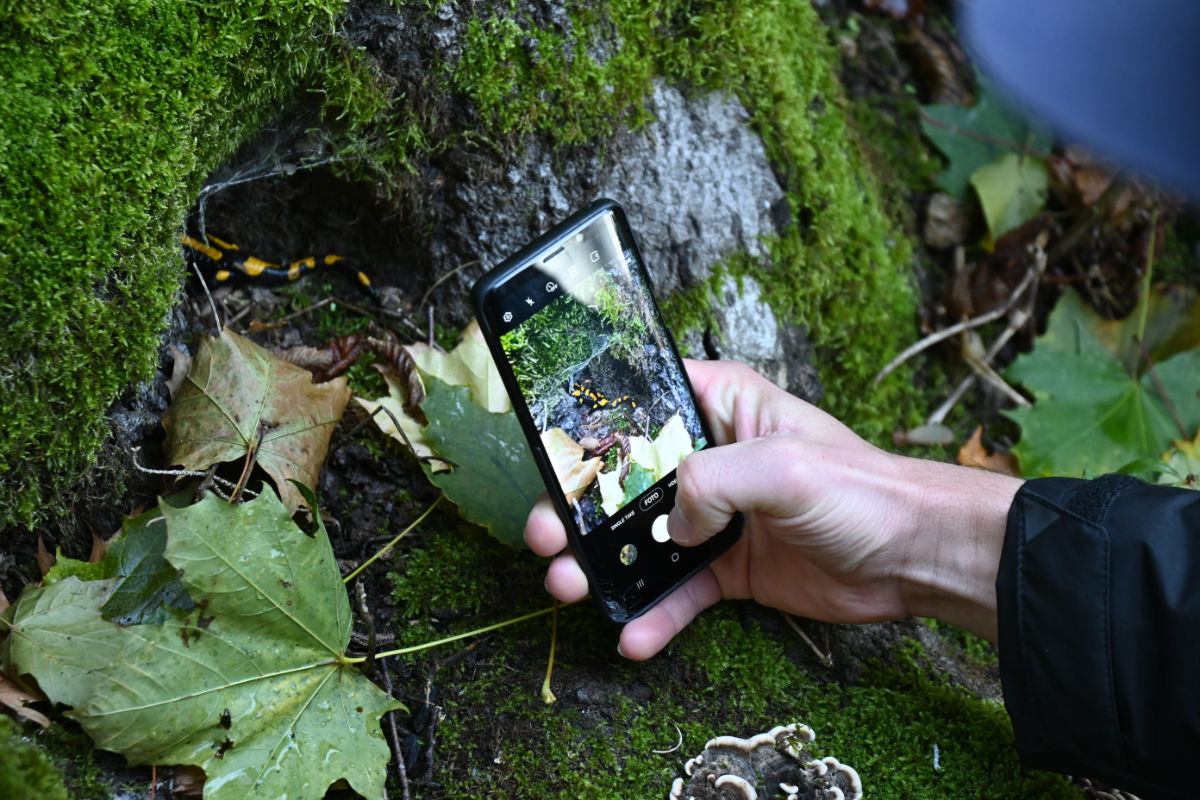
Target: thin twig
{"points": [[1016, 322], [211, 303], [360, 593], [1162, 391], [965, 325], [988, 375], [825, 658], [394, 737], [678, 744], [251, 458], [442, 279], [266, 326]]}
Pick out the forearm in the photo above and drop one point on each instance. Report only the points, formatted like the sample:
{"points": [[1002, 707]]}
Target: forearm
{"points": [[953, 536]]}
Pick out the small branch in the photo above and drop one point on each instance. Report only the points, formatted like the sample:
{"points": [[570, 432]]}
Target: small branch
{"points": [[394, 738], [251, 458], [1162, 391], [825, 658], [965, 325], [445, 277]]}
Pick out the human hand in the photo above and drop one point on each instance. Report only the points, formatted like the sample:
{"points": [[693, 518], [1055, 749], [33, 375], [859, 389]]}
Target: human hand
{"points": [[836, 529]]}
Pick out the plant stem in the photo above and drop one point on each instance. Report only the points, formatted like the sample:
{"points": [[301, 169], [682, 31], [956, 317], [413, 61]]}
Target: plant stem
{"points": [[548, 695], [488, 629], [389, 545], [1144, 301]]}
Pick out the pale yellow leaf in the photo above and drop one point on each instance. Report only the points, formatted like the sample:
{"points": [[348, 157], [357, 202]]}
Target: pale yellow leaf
{"points": [[662, 455], [575, 474], [468, 364], [611, 493]]}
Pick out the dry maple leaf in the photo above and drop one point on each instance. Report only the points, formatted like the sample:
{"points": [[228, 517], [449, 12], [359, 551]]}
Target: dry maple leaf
{"points": [[575, 474], [15, 699], [972, 454], [237, 392]]}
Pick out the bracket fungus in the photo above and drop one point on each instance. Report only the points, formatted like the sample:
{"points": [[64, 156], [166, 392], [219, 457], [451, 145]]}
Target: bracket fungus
{"points": [[769, 765]]}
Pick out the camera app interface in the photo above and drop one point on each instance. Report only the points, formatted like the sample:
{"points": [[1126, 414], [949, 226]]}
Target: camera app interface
{"points": [[601, 383]]}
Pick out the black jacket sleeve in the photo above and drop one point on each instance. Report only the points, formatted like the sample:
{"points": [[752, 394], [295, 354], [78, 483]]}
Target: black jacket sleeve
{"points": [[1098, 599]]}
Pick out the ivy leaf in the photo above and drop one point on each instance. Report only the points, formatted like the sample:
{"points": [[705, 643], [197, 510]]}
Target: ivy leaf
{"points": [[1012, 191], [1090, 416], [234, 389], [494, 481], [251, 686], [973, 137]]}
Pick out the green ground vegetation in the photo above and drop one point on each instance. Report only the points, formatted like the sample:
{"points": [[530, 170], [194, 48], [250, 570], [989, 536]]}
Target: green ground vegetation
{"points": [[725, 674], [115, 112], [26, 771]]}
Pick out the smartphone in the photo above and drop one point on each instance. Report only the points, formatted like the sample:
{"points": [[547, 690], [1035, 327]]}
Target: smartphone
{"points": [[604, 400]]}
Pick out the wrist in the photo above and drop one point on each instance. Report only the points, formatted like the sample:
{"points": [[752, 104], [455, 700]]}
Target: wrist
{"points": [[954, 537]]}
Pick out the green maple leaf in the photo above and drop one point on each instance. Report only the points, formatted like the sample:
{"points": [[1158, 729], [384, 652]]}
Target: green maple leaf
{"points": [[251, 686], [1090, 414], [973, 137], [493, 481]]}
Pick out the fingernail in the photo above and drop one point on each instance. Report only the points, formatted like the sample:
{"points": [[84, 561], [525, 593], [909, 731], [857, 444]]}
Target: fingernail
{"points": [[621, 652]]}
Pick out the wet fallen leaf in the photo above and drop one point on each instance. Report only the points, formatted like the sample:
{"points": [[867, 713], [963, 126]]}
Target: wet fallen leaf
{"points": [[973, 137], [252, 685], [973, 454], [236, 391], [16, 699], [575, 474], [494, 481], [413, 431]]}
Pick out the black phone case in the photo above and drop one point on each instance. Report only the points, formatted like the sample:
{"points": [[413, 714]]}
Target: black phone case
{"points": [[491, 282]]}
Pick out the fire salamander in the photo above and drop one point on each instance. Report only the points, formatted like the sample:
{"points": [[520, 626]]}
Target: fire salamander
{"points": [[224, 261], [589, 397]]}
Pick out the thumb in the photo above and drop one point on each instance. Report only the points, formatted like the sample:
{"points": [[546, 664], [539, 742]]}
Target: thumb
{"points": [[715, 484]]}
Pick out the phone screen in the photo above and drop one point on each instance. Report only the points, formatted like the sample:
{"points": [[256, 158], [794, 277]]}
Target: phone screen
{"points": [[605, 392]]}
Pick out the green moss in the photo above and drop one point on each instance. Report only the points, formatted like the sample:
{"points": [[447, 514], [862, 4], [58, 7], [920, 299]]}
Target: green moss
{"points": [[114, 114], [25, 771], [843, 269]]}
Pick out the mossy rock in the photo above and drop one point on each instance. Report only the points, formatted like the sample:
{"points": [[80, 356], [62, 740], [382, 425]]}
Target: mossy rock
{"points": [[116, 117]]}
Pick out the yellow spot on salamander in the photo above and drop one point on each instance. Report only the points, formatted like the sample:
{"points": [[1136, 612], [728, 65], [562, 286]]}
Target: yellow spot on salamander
{"points": [[223, 275], [223, 244], [201, 247], [254, 266]]}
